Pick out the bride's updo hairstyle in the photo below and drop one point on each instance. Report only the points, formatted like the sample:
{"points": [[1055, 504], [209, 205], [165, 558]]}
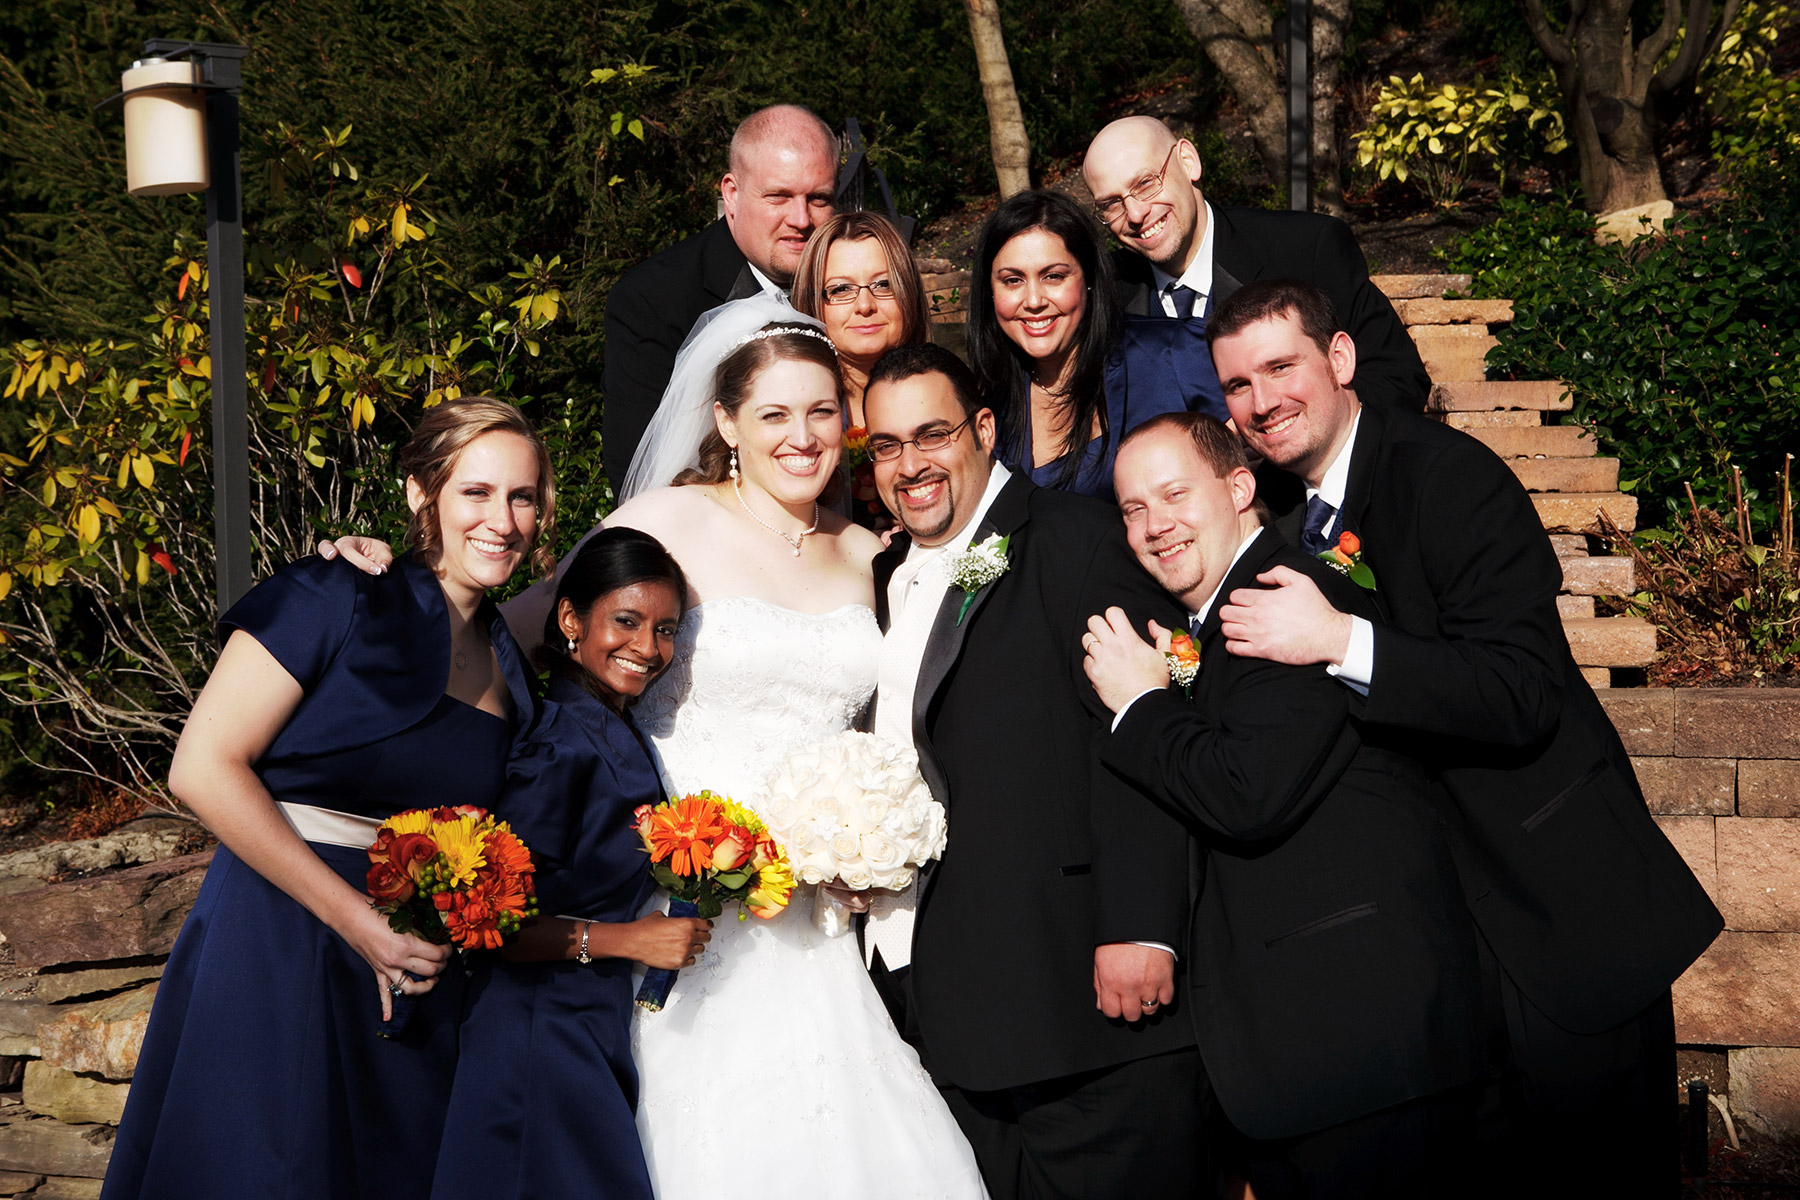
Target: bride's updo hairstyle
{"points": [[430, 456], [614, 558], [736, 375]]}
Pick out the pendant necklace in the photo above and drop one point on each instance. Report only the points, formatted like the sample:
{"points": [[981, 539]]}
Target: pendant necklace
{"points": [[792, 539]]}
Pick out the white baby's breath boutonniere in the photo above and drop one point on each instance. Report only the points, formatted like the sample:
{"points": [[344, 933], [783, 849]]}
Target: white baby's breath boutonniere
{"points": [[977, 567]]}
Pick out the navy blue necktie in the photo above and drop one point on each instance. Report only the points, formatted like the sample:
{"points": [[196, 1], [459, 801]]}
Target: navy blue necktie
{"points": [[1183, 298], [1318, 515]]}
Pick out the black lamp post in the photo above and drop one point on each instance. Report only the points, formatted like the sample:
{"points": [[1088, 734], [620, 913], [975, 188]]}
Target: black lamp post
{"points": [[1299, 105], [190, 91]]}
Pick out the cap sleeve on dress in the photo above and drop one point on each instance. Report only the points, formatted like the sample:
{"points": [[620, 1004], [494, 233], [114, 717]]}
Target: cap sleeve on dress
{"points": [[301, 615]]}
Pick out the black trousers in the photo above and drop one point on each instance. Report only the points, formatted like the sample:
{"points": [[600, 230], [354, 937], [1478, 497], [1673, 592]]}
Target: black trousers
{"points": [[1132, 1130], [1422, 1149], [1571, 1114]]}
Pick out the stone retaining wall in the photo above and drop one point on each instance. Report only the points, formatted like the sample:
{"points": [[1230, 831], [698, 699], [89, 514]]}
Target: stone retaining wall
{"points": [[1721, 771]]}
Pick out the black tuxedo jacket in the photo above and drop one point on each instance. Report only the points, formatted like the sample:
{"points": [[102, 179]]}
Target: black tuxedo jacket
{"points": [[649, 313], [1584, 902], [1332, 969], [1253, 243], [1049, 854]]}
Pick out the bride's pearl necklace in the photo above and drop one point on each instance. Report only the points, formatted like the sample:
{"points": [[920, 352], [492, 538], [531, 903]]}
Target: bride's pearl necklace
{"points": [[792, 539]]}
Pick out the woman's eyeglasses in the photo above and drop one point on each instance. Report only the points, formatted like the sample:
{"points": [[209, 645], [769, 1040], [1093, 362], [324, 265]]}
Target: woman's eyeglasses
{"points": [[844, 293]]}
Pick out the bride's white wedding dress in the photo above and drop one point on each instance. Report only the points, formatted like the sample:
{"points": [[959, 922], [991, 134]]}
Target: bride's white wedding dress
{"points": [[775, 1068]]}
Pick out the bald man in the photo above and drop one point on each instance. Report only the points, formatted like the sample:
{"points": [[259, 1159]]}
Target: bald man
{"points": [[781, 182], [1183, 257]]}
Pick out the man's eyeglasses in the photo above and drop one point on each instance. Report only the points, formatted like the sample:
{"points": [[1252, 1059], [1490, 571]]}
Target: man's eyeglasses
{"points": [[1143, 191], [844, 293], [886, 449]]}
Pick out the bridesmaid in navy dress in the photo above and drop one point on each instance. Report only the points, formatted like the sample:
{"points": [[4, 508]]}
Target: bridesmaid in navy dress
{"points": [[339, 699], [1044, 330], [546, 1090]]}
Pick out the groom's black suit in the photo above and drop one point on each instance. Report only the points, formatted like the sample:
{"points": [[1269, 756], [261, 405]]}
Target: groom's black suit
{"points": [[1332, 967], [1588, 910], [1049, 854]]}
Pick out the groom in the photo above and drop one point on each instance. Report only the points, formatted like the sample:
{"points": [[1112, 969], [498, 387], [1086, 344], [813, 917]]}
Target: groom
{"points": [[1036, 976]]}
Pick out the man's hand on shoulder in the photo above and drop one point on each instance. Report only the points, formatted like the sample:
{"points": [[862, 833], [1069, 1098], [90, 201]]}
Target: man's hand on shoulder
{"points": [[1121, 665], [1132, 981], [1290, 622]]}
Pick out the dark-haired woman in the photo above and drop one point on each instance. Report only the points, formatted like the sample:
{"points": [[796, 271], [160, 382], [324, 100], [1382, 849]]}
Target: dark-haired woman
{"points": [[339, 699], [545, 1090], [1043, 326]]}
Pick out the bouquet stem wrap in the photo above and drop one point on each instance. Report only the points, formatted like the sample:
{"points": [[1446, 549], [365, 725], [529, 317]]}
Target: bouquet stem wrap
{"points": [[830, 916], [654, 992]]}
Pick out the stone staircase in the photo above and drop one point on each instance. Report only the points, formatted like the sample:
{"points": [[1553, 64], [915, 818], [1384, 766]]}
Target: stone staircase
{"points": [[1558, 464]]}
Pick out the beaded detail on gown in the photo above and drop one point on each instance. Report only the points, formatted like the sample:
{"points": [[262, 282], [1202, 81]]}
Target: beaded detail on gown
{"points": [[775, 1044]]}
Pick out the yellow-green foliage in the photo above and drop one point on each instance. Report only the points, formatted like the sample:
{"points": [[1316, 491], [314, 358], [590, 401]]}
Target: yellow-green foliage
{"points": [[1756, 113], [1431, 134]]}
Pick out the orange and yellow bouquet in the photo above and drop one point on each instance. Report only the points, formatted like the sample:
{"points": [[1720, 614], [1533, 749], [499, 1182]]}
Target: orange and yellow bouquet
{"points": [[707, 850], [453, 876]]}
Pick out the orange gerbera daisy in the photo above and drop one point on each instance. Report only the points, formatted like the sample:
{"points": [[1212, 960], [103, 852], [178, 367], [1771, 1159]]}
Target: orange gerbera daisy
{"points": [[682, 832], [506, 854]]}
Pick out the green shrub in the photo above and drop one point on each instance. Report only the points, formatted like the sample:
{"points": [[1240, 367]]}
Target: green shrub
{"points": [[1681, 352], [1435, 135]]}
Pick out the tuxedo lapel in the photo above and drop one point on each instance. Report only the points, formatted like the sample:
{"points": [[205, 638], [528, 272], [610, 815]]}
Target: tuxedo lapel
{"points": [[884, 566], [1226, 278], [1243, 573], [1370, 432], [1005, 517]]}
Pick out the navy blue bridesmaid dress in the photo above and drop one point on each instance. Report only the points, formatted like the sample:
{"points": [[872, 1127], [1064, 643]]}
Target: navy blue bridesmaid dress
{"points": [[1126, 409], [546, 1089], [262, 1074]]}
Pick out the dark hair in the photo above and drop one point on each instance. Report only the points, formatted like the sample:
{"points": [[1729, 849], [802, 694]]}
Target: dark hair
{"points": [[736, 375], [1219, 448], [903, 272], [613, 558], [1267, 299], [904, 362], [431, 454], [1002, 368]]}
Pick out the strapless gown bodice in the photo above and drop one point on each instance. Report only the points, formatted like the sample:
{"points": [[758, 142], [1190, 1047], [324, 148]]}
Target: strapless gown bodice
{"points": [[778, 1020], [751, 683]]}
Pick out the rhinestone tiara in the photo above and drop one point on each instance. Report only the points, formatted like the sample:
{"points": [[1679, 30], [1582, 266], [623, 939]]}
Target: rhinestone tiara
{"points": [[805, 330]]}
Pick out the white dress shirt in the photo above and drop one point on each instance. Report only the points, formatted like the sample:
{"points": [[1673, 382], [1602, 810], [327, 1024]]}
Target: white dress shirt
{"points": [[1359, 657], [914, 595], [1199, 274], [770, 288]]}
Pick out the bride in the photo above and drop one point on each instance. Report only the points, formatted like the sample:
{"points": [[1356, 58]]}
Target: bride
{"points": [[774, 1048]]}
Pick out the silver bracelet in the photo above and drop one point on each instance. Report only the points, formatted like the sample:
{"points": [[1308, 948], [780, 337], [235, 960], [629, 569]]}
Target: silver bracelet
{"points": [[581, 955]]}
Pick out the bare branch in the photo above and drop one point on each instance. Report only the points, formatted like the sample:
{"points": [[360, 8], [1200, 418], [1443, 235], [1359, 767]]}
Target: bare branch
{"points": [[1698, 45]]}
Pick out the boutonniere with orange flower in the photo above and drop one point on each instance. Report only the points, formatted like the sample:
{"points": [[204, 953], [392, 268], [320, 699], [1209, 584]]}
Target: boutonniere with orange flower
{"points": [[707, 850], [452, 876], [1346, 558], [1184, 660]]}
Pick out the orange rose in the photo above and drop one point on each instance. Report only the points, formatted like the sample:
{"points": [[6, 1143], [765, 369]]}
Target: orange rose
{"points": [[449, 812], [388, 885], [640, 820], [1348, 542], [765, 852], [410, 852], [732, 847], [1182, 647]]}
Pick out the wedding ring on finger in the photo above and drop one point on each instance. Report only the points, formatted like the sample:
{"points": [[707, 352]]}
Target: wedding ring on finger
{"points": [[1148, 1004], [394, 989]]}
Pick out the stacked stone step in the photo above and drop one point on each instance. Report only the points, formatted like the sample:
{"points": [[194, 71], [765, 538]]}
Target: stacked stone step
{"points": [[1520, 420]]}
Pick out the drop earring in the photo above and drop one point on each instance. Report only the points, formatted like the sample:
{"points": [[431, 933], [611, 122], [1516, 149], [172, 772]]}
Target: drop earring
{"points": [[734, 469], [571, 647]]}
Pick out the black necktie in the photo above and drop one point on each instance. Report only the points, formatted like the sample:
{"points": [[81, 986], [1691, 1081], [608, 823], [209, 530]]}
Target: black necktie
{"points": [[1318, 515], [1183, 298]]}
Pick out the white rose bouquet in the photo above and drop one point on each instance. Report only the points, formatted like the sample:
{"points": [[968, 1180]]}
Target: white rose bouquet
{"points": [[854, 808]]}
